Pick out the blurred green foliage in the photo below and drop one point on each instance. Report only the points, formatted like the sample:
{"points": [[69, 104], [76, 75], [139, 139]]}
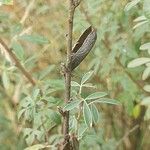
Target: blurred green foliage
{"points": [[36, 31]]}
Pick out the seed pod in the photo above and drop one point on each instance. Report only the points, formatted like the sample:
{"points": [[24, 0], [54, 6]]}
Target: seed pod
{"points": [[83, 46]]}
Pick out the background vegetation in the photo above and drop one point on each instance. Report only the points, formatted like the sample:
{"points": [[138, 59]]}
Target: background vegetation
{"points": [[36, 31]]}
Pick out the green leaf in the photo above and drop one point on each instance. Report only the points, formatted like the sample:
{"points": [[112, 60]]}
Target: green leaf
{"points": [[147, 88], [73, 124], [18, 49], [146, 101], [136, 111], [146, 73], [20, 113], [6, 2], [148, 64], [145, 46], [52, 100], [141, 18], [89, 85], [30, 138], [35, 147], [55, 83], [16, 29], [5, 80], [72, 105], [26, 131], [81, 130], [96, 95], [87, 114], [26, 102], [36, 93], [146, 8], [86, 77], [106, 101], [37, 39], [131, 4], [95, 113], [138, 62], [140, 24], [73, 83], [55, 117], [147, 114]]}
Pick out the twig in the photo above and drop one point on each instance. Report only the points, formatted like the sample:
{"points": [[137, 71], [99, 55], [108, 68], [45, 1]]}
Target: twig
{"points": [[72, 5], [127, 134], [68, 76], [27, 11], [17, 63]]}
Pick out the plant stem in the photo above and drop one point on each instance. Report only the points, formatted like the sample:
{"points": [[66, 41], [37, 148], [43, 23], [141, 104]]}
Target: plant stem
{"points": [[72, 5], [17, 63], [68, 74]]}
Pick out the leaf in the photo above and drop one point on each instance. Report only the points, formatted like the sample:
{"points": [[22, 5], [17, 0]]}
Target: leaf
{"points": [[146, 101], [81, 130], [26, 131], [73, 124], [86, 77], [35, 147], [138, 62], [37, 39], [55, 117], [141, 18], [36, 93], [18, 49], [140, 24], [52, 100], [96, 95], [136, 111], [30, 138], [146, 8], [147, 115], [89, 85], [6, 2], [21, 113], [73, 83], [95, 113], [72, 105], [38, 120], [131, 4], [147, 88], [106, 101], [26, 102], [146, 73], [148, 64], [39, 134], [5, 80], [87, 114], [145, 46], [55, 83]]}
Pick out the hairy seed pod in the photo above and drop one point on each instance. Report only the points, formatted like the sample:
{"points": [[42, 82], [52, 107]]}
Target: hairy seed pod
{"points": [[83, 46]]}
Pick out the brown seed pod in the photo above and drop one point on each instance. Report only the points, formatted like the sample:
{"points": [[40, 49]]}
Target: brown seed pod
{"points": [[83, 46]]}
